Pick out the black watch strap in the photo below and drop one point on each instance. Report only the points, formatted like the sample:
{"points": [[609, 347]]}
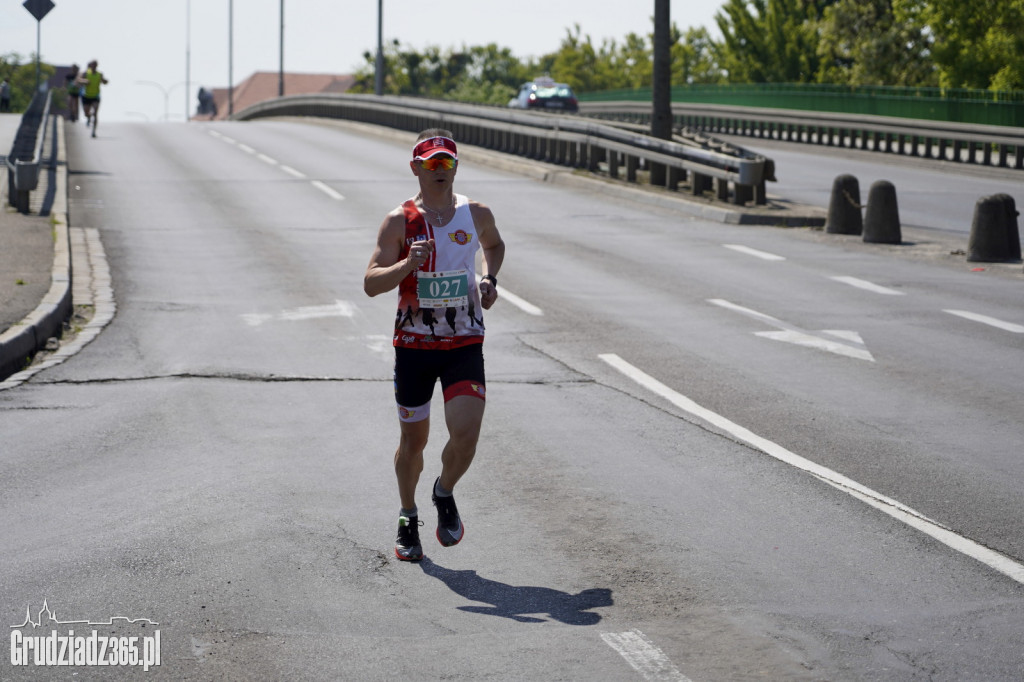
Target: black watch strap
{"points": [[492, 279]]}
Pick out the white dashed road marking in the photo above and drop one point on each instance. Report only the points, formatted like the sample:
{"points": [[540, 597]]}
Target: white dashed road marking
{"points": [[520, 303], [867, 286], [763, 255], [646, 658], [991, 321], [328, 191]]}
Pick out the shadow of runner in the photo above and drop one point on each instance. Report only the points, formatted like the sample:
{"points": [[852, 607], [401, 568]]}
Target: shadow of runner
{"points": [[515, 602]]}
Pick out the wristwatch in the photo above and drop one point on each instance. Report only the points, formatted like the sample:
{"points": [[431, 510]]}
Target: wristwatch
{"points": [[492, 279]]}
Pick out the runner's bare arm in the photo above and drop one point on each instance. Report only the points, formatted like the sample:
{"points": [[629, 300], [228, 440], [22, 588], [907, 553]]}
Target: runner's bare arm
{"points": [[493, 250], [387, 269]]}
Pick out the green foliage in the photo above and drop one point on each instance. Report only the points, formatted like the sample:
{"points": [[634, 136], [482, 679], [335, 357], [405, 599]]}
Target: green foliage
{"points": [[912, 43], [23, 78], [775, 43], [977, 44], [873, 42], [695, 59]]}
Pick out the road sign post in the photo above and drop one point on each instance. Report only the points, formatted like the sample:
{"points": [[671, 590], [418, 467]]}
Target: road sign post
{"points": [[38, 9]]}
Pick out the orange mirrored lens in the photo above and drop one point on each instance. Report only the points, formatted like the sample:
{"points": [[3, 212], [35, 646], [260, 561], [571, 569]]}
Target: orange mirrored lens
{"points": [[439, 162]]}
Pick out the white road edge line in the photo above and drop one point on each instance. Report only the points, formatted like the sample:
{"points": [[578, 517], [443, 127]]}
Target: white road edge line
{"points": [[764, 255], [984, 319], [328, 191], [867, 286], [642, 654], [896, 510]]}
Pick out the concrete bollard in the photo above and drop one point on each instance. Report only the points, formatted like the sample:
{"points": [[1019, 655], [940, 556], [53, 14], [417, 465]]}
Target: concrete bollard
{"points": [[995, 237], [844, 207], [882, 218]]}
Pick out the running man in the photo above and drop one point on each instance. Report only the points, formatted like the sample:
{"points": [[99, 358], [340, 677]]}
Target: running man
{"points": [[426, 248], [91, 79]]}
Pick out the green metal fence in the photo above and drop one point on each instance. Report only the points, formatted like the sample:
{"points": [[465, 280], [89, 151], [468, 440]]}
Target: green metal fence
{"points": [[982, 107]]}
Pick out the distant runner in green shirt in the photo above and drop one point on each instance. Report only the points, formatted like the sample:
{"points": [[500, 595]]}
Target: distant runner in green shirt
{"points": [[91, 79]]}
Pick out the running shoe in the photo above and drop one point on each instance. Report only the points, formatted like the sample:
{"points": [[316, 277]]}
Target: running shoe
{"points": [[407, 546], [449, 526]]}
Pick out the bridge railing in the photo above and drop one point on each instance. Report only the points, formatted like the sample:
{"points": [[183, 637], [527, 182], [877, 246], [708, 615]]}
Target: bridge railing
{"points": [[998, 146], [26, 152], [561, 139]]}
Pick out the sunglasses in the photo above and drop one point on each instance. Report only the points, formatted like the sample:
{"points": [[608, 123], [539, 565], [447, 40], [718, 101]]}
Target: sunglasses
{"points": [[439, 162]]}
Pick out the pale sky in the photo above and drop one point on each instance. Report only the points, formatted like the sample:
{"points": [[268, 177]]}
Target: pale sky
{"points": [[147, 40]]}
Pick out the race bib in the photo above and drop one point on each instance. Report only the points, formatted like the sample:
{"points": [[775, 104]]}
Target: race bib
{"points": [[442, 289]]}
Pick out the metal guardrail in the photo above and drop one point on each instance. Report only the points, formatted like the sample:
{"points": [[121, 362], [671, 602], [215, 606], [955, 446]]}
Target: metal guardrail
{"points": [[555, 138], [26, 152], [997, 146]]}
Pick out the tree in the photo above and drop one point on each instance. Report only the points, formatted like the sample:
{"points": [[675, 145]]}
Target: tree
{"points": [[776, 43], [977, 44], [695, 58], [23, 78], [873, 42]]}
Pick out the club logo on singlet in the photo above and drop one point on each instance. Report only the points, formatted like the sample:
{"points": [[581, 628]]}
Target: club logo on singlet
{"points": [[460, 237]]}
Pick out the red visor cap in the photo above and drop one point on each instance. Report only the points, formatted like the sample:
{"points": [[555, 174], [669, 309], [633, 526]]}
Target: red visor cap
{"points": [[433, 146]]}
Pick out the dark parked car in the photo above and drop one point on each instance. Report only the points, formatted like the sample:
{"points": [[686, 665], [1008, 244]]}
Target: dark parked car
{"points": [[544, 93]]}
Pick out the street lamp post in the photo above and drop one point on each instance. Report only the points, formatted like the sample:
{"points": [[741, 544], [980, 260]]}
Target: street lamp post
{"points": [[167, 96], [188, 57], [280, 69], [379, 71], [231, 56]]}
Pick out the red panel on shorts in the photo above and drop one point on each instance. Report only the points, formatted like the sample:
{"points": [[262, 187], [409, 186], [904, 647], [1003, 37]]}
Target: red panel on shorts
{"points": [[473, 388]]}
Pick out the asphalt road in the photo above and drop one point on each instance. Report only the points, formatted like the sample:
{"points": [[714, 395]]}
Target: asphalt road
{"points": [[711, 452]]}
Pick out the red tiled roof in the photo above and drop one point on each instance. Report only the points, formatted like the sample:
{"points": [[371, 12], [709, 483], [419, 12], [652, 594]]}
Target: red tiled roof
{"points": [[263, 85]]}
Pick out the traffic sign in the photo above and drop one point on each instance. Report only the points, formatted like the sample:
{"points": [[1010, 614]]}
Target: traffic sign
{"points": [[38, 8]]}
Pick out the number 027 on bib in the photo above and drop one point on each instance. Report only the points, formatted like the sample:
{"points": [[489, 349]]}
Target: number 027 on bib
{"points": [[442, 289]]}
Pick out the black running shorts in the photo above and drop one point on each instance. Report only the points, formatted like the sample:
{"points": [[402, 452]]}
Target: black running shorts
{"points": [[461, 371]]}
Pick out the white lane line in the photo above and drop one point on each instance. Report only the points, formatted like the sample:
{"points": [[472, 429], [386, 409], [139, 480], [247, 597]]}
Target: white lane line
{"points": [[266, 159], [214, 133], [984, 319], [246, 148], [867, 286], [642, 654], [328, 191], [764, 255], [520, 303], [896, 510], [229, 140], [291, 171]]}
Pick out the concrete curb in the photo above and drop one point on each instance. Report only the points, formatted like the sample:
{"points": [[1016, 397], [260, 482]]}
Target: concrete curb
{"points": [[19, 343]]}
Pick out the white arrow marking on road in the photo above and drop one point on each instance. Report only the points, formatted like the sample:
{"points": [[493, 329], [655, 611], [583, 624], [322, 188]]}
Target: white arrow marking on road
{"points": [[852, 348], [336, 309]]}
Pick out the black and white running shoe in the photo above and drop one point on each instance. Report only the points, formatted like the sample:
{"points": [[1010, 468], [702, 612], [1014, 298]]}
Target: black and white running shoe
{"points": [[407, 546], [449, 526]]}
